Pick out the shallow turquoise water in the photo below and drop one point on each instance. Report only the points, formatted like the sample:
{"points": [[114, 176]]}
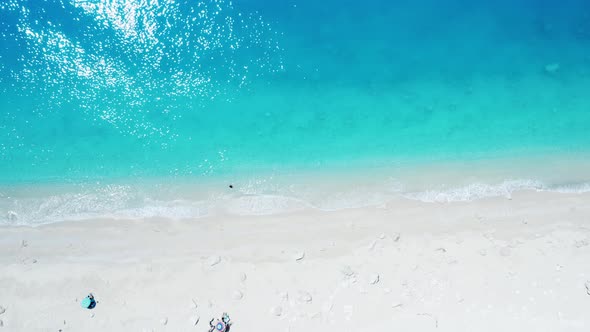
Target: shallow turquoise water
{"points": [[125, 93]]}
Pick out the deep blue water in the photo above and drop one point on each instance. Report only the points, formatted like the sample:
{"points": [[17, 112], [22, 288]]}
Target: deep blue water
{"points": [[125, 92]]}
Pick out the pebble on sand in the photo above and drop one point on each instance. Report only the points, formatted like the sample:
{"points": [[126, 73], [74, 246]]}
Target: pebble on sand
{"points": [[214, 260], [1, 323], [164, 321], [276, 311], [587, 287], [243, 277], [396, 237], [2, 310]]}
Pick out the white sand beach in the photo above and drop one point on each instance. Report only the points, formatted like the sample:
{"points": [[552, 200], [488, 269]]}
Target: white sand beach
{"points": [[497, 264]]}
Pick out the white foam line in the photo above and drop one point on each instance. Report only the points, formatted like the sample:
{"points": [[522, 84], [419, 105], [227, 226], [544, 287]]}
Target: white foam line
{"points": [[477, 191], [70, 207]]}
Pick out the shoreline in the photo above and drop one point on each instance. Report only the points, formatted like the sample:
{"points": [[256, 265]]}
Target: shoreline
{"points": [[492, 264], [83, 203], [287, 192]]}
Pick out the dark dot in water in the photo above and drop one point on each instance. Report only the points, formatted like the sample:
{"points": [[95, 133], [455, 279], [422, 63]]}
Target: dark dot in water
{"points": [[231, 186]]}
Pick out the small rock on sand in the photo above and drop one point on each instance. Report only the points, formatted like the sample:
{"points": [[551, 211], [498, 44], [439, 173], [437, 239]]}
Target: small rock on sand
{"points": [[214, 260], [395, 237], [587, 287], [374, 279], [2, 310], [382, 236], [237, 295], [164, 321], [243, 277], [304, 297], [1, 323], [276, 311]]}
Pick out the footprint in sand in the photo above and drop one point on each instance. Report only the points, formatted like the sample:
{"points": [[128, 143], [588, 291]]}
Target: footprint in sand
{"points": [[214, 260], [298, 256], [276, 311], [284, 296], [238, 295], [372, 245], [505, 252], [304, 297], [347, 271], [374, 279]]}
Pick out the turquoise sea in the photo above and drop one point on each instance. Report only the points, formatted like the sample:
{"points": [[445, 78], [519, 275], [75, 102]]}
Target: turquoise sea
{"points": [[153, 108]]}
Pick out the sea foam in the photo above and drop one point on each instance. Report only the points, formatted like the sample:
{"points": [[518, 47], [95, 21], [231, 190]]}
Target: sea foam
{"points": [[129, 202]]}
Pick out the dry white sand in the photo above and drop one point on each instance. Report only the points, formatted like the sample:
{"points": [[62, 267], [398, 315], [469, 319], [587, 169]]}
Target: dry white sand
{"points": [[491, 265]]}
